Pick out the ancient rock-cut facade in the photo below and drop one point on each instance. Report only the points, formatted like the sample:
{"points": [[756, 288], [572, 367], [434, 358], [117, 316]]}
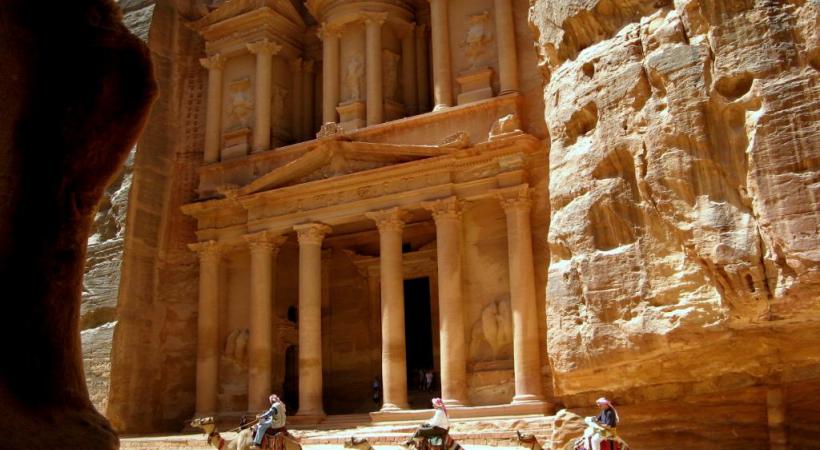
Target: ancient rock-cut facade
{"points": [[334, 191]]}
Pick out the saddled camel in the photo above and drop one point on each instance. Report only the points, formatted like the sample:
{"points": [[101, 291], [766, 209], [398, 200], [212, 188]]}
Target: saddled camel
{"points": [[243, 441]]}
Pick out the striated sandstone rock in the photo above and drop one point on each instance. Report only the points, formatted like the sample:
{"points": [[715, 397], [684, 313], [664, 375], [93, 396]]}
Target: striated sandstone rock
{"points": [[105, 246], [683, 184]]}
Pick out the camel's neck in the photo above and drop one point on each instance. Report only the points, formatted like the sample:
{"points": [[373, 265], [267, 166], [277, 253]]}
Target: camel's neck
{"points": [[216, 440]]}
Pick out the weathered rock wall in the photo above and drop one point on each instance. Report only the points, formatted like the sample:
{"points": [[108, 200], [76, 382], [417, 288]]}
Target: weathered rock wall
{"points": [[684, 180], [104, 253]]}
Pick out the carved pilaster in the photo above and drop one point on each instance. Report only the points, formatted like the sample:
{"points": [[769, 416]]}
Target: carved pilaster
{"points": [[214, 62]]}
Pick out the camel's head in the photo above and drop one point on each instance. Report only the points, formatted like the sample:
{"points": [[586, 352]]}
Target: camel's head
{"points": [[205, 423], [358, 443]]}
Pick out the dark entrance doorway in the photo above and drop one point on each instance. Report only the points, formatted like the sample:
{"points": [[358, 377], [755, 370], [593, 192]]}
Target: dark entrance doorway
{"points": [[418, 328], [290, 388]]}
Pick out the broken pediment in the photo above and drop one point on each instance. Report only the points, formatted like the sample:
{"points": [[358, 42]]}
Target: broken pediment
{"points": [[332, 158]]}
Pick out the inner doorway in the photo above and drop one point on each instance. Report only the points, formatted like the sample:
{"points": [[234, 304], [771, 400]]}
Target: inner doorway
{"points": [[418, 329]]}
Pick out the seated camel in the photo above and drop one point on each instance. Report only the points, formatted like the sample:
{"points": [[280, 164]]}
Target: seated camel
{"points": [[244, 439]]}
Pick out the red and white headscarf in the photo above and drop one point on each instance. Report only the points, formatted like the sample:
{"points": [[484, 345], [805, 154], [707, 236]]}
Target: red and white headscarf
{"points": [[439, 404], [605, 401]]}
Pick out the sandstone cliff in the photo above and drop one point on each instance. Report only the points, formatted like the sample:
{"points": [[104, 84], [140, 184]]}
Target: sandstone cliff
{"points": [[104, 254], [684, 180]]}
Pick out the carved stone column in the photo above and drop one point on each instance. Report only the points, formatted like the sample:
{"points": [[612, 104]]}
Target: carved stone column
{"points": [[408, 66], [507, 55], [213, 115], [307, 104], [447, 214], [298, 98], [776, 414], [330, 73], [422, 69], [442, 71], [207, 352], [264, 51], [310, 318], [375, 89], [264, 248], [527, 362], [394, 359]]}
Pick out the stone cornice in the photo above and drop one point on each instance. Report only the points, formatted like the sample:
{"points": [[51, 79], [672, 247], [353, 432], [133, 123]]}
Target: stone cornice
{"points": [[485, 153]]}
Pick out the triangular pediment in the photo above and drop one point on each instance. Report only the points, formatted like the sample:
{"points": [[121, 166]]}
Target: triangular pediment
{"points": [[333, 158]]}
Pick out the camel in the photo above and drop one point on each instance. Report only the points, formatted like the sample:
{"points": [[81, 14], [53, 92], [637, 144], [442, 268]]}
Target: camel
{"points": [[358, 443], [243, 441]]}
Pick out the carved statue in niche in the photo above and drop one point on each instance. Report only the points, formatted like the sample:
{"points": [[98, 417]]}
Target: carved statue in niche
{"points": [[278, 97], [478, 36], [353, 77], [240, 106], [236, 346], [491, 336], [390, 74]]}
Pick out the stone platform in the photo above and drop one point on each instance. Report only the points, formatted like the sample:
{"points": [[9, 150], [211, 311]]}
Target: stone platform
{"points": [[473, 434]]}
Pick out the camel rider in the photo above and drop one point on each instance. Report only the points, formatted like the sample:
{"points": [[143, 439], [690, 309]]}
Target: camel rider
{"points": [[436, 428], [273, 418], [603, 426]]}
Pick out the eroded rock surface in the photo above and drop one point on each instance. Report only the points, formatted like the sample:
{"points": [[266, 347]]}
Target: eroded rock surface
{"points": [[683, 186], [105, 246]]}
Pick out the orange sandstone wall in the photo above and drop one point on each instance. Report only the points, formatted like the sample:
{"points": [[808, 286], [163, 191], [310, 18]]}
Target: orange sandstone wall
{"points": [[684, 179]]}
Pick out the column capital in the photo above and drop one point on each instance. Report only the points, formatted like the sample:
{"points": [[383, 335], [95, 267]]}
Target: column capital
{"points": [[327, 30], [264, 47], [311, 233], [374, 18], [214, 62], [207, 250], [392, 219], [518, 200], [446, 208], [265, 240]]}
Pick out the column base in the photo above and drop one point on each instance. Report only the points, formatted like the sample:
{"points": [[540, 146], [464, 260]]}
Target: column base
{"points": [[306, 419], [524, 399], [394, 407], [440, 107], [454, 403]]}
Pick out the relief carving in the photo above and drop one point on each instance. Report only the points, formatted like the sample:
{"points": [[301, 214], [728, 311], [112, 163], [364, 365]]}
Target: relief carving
{"points": [[240, 106], [478, 36], [236, 346], [353, 78], [491, 336], [278, 98], [390, 74]]}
